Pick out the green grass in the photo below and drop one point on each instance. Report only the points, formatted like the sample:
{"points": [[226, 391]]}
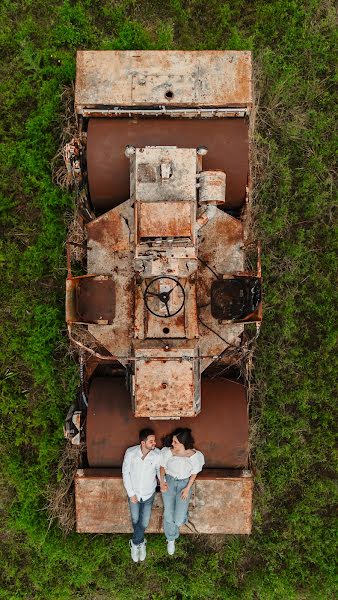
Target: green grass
{"points": [[290, 554]]}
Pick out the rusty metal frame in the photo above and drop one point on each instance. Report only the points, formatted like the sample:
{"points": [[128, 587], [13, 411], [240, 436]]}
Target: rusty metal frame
{"points": [[172, 78]]}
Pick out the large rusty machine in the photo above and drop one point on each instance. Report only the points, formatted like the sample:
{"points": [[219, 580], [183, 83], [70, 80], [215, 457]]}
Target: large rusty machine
{"points": [[164, 307]]}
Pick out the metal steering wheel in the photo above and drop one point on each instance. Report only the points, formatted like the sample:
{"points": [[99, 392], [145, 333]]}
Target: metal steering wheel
{"points": [[163, 296]]}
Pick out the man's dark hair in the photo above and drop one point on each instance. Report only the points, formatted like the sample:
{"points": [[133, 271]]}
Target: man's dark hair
{"points": [[183, 435], [144, 433]]}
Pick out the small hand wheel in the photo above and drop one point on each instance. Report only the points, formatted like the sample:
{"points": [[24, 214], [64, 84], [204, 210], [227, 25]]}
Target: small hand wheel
{"points": [[150, 294]]}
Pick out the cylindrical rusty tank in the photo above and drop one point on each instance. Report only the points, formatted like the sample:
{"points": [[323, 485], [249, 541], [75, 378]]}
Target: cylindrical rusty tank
{"points": [[212, 187], [109, 168], [220, 430]]}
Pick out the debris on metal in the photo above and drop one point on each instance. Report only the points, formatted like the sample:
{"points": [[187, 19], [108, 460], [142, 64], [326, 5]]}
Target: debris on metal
{"points": [[72, 158]]}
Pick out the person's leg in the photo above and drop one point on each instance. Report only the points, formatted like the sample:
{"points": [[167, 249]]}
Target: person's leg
{"points": [[143, 522], [181, 506], [144, 518], [169, 500], [134, 513], [135, 510]]}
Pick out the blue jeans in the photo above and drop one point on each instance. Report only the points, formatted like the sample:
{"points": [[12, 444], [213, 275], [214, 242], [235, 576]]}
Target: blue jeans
{"points": [[175, 509], [140, 516]]}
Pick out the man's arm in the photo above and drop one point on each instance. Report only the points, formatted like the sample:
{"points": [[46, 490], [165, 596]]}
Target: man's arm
{"points": [[126, 477]]}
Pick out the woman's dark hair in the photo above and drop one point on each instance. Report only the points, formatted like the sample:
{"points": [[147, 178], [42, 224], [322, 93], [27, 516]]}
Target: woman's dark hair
{"points": [[145, 433], [183, 435]]}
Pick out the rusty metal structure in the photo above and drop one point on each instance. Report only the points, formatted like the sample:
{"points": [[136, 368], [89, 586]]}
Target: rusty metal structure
{"points": [[165, 309]]}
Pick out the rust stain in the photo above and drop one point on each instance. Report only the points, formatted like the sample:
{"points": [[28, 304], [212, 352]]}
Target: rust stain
{"points": [[110, 230], [146, 173], [164, 219], [229, 230]]}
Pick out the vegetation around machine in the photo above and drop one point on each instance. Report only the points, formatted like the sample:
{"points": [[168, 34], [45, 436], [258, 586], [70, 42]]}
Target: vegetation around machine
{"points": [[291, 552]]}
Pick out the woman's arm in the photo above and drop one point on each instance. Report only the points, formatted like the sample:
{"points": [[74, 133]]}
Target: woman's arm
{"points": [[186, 490], [163, 483]]}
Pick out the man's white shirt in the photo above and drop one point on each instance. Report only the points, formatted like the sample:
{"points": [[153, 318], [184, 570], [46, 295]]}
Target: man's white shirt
{"points": [[139, 474]]}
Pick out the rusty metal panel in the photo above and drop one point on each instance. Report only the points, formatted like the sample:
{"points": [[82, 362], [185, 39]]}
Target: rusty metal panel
{"points": [[90, 299], [222, 506], [102, 506], [161, 88], [71, 315], [109, 168], [145, 78], [164, 219], [111, 230], [96, 299], [165, 383], [219, 504], [109, 253], [220, 429]]}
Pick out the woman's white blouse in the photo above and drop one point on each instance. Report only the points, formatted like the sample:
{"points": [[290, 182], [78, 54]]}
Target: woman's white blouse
{"points": [[181, 466]]}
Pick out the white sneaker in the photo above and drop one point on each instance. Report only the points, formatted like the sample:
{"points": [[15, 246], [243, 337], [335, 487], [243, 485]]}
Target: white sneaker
{"points": [[171, 547], [134, 551], [142, 551]]}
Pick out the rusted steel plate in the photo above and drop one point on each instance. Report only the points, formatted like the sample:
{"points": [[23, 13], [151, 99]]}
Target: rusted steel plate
{"points": [[166, 381], [95, 300], [108, 167], [164, 219], [169, 78], [102, 506], [222, 506], [220, 430], [90, 299], [109, 254], [164, 388], [219, 504], [111, 230]]}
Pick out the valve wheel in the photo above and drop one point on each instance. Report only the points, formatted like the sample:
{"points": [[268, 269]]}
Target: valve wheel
{"points": [[164, 297]]}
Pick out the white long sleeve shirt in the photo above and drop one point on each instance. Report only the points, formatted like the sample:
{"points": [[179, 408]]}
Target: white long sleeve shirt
{"points": [[139, 474]]}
